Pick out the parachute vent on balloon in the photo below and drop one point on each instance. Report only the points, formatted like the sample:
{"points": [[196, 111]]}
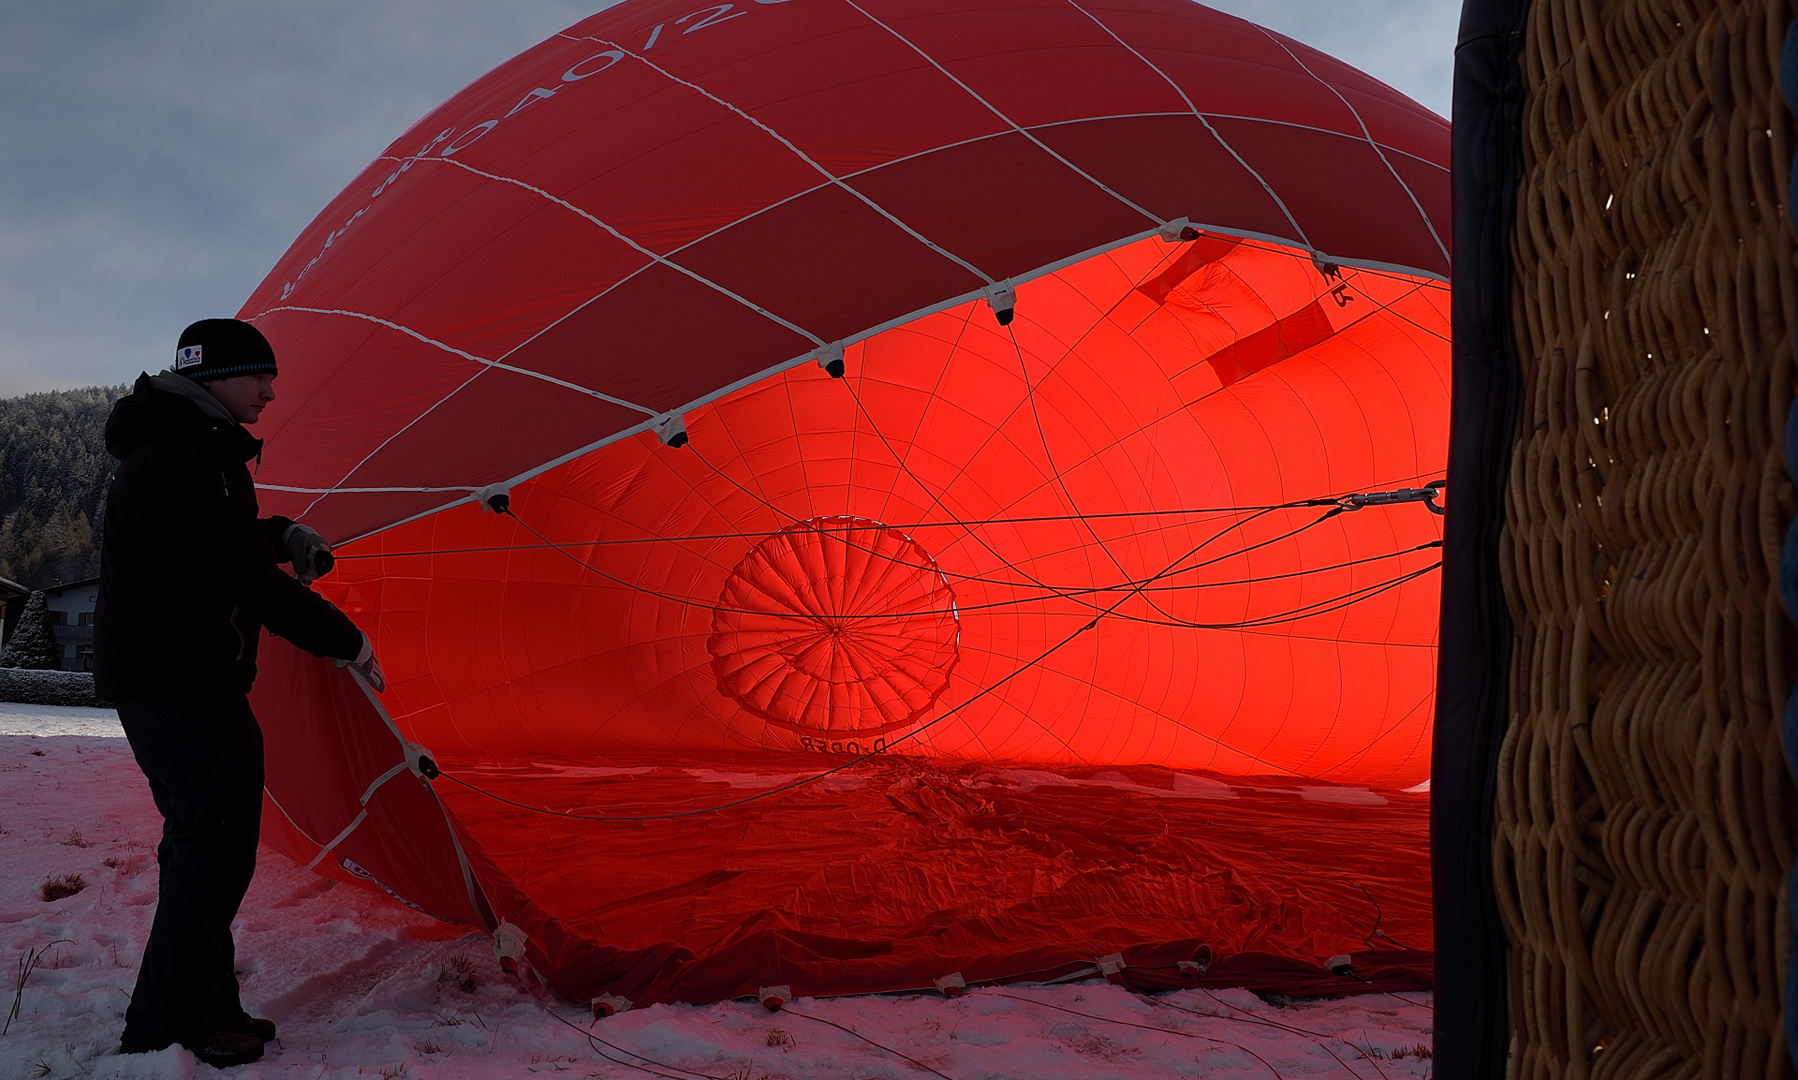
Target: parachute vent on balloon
{"points": [[837, 627]]}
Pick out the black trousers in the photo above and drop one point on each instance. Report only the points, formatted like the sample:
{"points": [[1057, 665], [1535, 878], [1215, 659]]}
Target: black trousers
{"points": [[203, 758]]}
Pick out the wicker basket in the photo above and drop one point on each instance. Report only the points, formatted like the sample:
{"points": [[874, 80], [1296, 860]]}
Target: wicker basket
{"points": [[1645, 814]]}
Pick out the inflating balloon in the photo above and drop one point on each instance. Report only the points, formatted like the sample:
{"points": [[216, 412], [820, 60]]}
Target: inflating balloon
{"points": [[854, 494]]}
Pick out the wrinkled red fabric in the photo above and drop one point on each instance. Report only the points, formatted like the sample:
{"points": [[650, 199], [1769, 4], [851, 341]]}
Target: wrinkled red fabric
{"points": [[901, 871]]}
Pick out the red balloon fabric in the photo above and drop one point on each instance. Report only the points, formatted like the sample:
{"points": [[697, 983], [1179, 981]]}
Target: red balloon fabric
{"points": [[934, 443]]}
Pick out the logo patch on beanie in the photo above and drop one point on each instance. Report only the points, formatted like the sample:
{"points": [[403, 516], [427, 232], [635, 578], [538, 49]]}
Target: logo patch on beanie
{"points": [[187, 357]]}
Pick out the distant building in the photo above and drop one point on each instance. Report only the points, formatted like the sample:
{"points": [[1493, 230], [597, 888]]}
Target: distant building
{"points": [[12, 604], [72, 620]]}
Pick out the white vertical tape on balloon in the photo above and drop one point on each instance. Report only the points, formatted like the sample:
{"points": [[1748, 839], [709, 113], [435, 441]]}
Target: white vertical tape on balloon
{"points": [[1368, 136], [1298, 230], [485, 363], [464, 354], [313, 840], [830, 178], [1015, 126], [405, 765], [477, 897], [639, 248], [361, 816]]}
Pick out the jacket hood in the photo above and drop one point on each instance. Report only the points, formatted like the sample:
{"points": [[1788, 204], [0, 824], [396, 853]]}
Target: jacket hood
{"points": [[165, 403]]}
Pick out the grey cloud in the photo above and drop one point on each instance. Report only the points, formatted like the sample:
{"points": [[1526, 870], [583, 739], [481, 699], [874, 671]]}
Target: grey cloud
{"points": [[158, 158]]}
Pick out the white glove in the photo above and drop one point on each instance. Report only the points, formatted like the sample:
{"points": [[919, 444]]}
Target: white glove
{"points": [[367, 666], [304, 546]]}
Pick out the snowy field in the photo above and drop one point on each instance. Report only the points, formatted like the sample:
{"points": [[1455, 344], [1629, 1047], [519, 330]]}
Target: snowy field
{"points": [[362, 987]]}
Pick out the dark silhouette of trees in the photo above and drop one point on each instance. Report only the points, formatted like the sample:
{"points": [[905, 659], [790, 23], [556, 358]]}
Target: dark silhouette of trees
{"points": [[54, 469]]}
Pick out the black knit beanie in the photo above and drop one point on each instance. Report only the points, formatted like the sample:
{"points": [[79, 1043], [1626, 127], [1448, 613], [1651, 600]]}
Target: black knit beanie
{"points": [[222, 348]]}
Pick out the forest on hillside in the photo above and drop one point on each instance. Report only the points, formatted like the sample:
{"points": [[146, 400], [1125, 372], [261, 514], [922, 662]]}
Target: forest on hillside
{"points": [[54, 469]]}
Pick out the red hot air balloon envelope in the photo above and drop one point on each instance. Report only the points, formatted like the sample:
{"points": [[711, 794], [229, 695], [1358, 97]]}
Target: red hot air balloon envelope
{"points": [[1047, 640]]}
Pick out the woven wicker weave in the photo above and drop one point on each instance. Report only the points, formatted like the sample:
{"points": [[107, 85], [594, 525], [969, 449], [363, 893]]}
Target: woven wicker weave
{"points": [[1646, 819]]}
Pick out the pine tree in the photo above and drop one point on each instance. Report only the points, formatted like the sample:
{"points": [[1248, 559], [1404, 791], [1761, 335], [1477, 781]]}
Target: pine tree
{"points": [[33, 644]]}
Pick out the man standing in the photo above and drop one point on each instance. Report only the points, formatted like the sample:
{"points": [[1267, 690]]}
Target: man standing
{"points": [[189, 575]]}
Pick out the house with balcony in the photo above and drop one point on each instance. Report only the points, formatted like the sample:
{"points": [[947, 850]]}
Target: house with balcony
{"points": [[71, 611]]}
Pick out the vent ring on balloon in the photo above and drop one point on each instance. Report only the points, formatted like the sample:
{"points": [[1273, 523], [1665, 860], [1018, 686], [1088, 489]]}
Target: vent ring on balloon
{"points": [[837, 626]]}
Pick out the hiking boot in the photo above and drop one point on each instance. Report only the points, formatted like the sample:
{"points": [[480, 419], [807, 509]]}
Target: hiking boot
{"points": [[245, 1024], [223, 1049]]}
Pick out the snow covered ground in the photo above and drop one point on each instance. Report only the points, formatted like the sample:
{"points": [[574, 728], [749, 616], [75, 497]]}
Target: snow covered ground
{"points": [[362, 987]]}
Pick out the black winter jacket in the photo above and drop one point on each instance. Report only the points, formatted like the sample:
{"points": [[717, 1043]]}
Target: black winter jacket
{"points": [[188, 574]]}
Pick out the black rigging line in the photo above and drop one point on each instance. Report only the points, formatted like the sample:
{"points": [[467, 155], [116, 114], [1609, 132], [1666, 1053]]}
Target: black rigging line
{"points": [[1075, 594], [595, 1042], [1261, 1021], [1049, 455], [1051, 592], [870, 526], [845, 1028], [936, 499], [859, 758], [1321, 607], [1145, 1027], [963, 609]]}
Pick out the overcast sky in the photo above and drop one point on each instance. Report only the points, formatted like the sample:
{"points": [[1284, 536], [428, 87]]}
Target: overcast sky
{"points": [[156, 158]]}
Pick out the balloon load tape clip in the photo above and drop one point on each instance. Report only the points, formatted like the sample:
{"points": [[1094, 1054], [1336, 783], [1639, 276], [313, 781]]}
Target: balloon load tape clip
{"points": [[951, 985], [1179, 230], [1002, 297], [420, 760], [1199, 965], [671, 428], [1111, 965], [508, 944], [494, 499], [773, 997]]}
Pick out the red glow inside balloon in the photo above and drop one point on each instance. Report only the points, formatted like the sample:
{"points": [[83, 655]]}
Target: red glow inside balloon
{"points": [[1049, 630]]}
